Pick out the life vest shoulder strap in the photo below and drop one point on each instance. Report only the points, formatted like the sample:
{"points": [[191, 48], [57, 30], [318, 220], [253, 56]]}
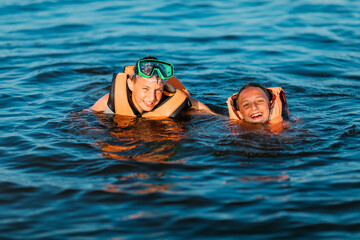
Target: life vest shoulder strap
{"points": [[275, 105], [128, 70], [118, 98], [173, 81], [231, 103], [170, 107], [278, 105]]}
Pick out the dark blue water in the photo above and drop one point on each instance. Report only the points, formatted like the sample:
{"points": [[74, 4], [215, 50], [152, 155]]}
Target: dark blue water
{"points": [[66, 173]]}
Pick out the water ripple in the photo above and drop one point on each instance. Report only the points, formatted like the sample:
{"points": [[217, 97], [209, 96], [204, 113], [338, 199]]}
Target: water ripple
{"points": [[66, 172]]}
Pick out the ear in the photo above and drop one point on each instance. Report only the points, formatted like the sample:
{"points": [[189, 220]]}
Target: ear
{"points": [[130, 84]]}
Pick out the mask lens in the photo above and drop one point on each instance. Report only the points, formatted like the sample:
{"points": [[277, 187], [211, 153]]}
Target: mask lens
{"points": [[148, 67]]}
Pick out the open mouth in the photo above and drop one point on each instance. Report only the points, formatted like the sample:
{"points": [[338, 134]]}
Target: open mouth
{"points": [[149, 105], [256, 115]]}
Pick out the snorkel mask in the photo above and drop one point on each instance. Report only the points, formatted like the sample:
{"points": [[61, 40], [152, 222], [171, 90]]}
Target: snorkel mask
{"points": [[147, 67]]}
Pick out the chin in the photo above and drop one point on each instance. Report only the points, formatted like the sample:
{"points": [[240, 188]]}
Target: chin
{"points": [[257, 121], [147, 108]]}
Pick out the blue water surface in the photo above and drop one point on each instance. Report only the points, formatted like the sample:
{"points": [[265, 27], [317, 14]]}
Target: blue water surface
{"points": [[69, 173]]}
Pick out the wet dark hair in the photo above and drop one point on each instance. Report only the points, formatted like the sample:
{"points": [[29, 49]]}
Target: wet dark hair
{"points": [[136, 72], [253, 84]]}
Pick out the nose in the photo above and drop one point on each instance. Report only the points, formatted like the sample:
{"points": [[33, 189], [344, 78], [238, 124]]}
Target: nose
{"points": [[151, 97], [254, 106]]}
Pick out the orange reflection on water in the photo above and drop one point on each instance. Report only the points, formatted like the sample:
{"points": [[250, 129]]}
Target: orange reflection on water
{"points": [[148, 130], [143, 139], [138, 187], [115, 148], [139, 176], [239, 127], [279, 178], [142, 188], [267, 178]]}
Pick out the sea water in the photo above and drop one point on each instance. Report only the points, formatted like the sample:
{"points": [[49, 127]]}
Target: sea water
{"points": [[69, 173]]}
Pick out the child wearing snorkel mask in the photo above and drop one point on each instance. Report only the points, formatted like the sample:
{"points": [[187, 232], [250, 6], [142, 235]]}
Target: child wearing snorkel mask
{"points": [[147, 90]]}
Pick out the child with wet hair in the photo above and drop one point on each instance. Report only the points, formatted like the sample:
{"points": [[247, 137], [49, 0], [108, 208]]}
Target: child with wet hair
{"points": [[257, 104], [148, 89]]}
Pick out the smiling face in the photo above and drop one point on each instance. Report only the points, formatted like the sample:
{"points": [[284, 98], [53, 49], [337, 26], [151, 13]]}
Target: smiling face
{"points": [[253, 105], [146, 92]]}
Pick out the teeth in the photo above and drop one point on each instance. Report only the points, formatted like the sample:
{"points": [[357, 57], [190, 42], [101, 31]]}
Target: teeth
{"points": [[256, 115]]}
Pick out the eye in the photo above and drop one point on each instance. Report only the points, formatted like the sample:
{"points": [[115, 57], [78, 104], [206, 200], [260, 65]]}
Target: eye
{"points": [[159, 90], [246, 105]]}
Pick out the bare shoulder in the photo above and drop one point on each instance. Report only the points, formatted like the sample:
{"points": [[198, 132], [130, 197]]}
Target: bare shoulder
{"points": [[100, 105]]}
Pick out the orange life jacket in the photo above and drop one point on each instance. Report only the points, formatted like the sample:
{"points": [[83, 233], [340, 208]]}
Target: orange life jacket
{"points": [[278, 106], [118, 98]]}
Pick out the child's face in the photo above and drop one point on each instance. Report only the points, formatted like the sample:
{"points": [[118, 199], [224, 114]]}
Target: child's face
{"points": [[254, 105], [146, 92]]}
